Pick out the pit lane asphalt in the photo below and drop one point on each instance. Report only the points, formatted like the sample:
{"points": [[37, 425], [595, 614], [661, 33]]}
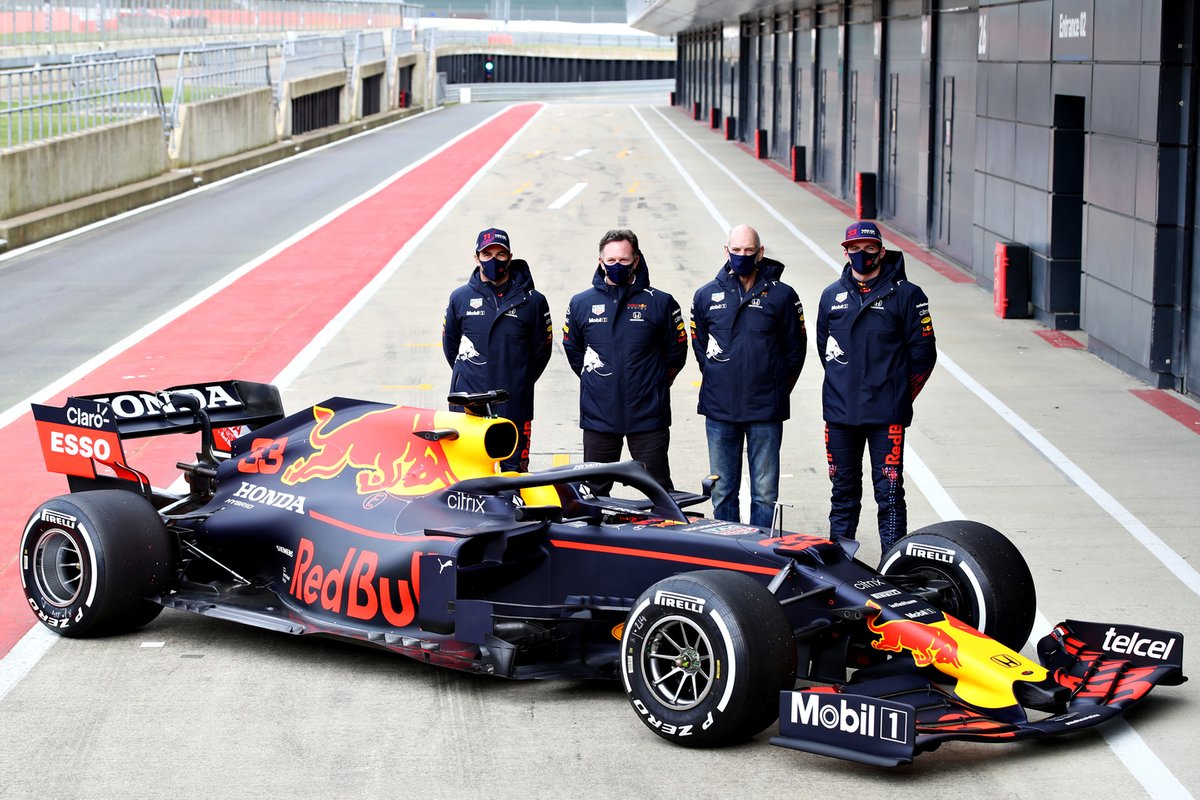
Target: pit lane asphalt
{"points": [[211, 707]]}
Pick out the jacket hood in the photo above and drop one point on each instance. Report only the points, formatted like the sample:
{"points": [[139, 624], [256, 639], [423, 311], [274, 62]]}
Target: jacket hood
{"points": [[518, 274], [892, 268], [768, 270], [641, 277]]}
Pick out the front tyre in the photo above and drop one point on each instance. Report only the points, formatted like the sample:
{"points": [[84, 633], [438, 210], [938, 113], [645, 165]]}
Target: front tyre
{"points": [[90, 560], [991, 588], [704, 657]]}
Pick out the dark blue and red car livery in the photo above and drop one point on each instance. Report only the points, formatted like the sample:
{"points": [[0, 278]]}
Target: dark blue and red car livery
{"points": [[392, 527]]}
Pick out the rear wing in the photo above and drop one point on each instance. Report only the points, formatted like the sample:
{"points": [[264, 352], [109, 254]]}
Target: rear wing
{"points": [[88, 430]]}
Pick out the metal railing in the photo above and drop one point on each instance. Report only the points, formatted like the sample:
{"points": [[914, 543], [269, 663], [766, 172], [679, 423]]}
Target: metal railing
{"points": [[206, 73], [403, 41], [311, 55], [65, 22], [450, 36], [45, 102], [364, 46]]}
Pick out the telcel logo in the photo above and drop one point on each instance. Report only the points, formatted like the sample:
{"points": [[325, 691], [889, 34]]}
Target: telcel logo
{"points": [[1137, 645], [863, 720]]}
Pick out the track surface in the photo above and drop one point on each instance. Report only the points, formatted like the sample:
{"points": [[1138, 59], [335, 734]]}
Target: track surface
{"points": [[1095, 485]]}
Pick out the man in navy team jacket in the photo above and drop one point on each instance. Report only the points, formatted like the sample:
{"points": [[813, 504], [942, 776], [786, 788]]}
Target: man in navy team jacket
{"points": [[626, 342], [749, 338], [497, 334], [875, 337]]}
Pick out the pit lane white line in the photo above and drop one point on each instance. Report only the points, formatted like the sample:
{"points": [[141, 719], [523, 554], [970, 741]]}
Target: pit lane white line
{"points": [[1147, 538], [1146, 767], [568, 196], [34, 644]]}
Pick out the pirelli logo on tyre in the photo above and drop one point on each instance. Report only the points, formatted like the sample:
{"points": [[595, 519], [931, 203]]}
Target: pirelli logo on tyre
{"points": [[58, 518], [931, 552], [683, 602]]}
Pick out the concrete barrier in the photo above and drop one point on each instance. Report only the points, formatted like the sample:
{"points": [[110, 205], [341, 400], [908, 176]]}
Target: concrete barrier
{"points": [[81, 164], [359, 101], [218, 128], [289, 90]]}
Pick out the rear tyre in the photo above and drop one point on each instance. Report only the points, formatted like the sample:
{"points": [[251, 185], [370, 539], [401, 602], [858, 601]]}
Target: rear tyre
{"points": [[89, 562], [704, 658], [991, 586]]}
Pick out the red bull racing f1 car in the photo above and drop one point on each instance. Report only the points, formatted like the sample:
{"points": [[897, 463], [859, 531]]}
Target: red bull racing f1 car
{"points": [[391, 526]]}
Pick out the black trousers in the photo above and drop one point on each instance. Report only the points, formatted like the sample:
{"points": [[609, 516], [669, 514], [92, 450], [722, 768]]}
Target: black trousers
{"points": [[649, 447], [844, 445]]}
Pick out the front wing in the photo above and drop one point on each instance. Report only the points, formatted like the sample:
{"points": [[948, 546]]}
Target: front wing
{"points": [[886, 722]]}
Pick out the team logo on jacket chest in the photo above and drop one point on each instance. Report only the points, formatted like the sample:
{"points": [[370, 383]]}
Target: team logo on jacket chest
{"points": [[598, 308], [476, 302]]}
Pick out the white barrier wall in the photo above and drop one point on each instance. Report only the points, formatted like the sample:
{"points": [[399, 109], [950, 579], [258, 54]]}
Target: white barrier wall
{"points": [[82, 164], [223, 127]]}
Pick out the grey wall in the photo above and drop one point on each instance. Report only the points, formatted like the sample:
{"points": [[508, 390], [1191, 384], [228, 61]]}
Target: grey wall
{"points": [[1063, 125]]}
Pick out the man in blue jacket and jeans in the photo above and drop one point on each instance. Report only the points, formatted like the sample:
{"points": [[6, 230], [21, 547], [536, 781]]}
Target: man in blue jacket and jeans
{"points": [[749, 338], [497, 334], [875, 337], [626, 342]]}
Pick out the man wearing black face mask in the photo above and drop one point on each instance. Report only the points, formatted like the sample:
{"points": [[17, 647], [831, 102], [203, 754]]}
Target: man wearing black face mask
{"points": [[749, 338], [626, 342], [497, 334], [876, 340]]}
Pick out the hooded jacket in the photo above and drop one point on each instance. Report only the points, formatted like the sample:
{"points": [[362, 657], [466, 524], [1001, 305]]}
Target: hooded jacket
{"points": [[626, 344], [878, 348], [750, 347], [496, 341]]}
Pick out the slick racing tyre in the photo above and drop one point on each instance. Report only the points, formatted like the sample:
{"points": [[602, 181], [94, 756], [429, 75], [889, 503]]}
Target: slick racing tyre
{"points": [[991, 587], [90, 560], [704, 657]]}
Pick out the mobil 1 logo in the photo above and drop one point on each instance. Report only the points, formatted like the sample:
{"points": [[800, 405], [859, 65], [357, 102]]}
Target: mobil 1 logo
{"points": [[862, 728]]}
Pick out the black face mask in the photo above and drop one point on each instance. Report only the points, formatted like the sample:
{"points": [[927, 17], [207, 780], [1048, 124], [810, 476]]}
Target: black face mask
{"points": [[618, 273], [743, 265], [862, 262], [494, 269]]}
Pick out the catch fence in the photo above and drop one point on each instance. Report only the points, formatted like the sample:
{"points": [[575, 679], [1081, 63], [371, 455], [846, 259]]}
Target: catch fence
{"points": [[51, 101]]}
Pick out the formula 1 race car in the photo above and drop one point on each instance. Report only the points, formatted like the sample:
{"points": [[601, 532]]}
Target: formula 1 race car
{"points": [[390, 526]]}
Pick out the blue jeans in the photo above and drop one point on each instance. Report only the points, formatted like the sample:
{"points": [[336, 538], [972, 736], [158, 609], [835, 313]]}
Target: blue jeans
{"points": [[763, 440]]}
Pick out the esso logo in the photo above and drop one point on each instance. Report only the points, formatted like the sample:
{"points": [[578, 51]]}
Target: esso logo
{"points": [[75, 445]]}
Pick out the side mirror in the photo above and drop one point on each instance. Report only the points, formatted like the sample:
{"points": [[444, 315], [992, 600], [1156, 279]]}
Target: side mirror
{"points": [[706, 485]]}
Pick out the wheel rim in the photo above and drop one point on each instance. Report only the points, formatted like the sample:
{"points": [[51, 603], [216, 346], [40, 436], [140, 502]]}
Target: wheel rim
{"points": [[58, 568], [956, 602], [677, 661]]}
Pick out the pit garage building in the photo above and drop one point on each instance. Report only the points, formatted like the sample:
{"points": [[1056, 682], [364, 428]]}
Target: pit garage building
{"points": [[1062, 130]]}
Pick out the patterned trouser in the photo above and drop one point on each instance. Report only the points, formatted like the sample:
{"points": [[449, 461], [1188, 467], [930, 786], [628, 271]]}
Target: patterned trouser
{"points": [[844, 445]]}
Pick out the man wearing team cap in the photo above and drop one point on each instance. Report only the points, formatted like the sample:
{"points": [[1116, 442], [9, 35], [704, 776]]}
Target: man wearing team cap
{"points": [[876, 342], [497, 334]]}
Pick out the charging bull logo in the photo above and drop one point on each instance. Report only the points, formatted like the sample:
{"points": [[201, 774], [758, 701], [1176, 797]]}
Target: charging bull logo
{"points": [[593, 363], [382, 446], [928, 645], [714, 352], [468, 353], [833, 351]]}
